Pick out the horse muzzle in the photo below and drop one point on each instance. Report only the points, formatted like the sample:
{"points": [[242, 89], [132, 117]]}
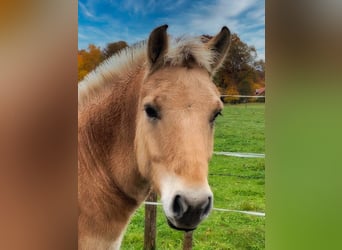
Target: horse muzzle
{"points": [[185, 213]]}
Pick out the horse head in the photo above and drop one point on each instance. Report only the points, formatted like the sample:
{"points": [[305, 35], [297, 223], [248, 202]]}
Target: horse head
{"points": [[178, 104]]}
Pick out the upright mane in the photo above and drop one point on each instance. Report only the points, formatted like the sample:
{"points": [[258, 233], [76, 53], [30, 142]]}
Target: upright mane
{"points": [[183, 51], [146, 121]]}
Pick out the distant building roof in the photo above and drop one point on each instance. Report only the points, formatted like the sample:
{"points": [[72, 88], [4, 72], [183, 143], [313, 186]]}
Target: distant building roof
{"points": [[260, 91]]}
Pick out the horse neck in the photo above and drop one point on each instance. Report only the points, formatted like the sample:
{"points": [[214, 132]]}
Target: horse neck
{"points": [[107, 129]]}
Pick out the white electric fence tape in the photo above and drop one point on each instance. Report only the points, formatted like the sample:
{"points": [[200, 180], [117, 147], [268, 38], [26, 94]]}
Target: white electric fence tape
{"points": [[243, 155], [217, 209], [248, 96]]}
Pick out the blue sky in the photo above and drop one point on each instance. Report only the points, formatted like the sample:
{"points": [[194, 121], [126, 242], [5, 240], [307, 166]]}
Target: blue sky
{"points": [[104, 21]]}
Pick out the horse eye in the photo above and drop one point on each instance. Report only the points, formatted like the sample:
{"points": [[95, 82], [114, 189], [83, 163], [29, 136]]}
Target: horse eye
{"points": [[151, 112], [215, 116]]}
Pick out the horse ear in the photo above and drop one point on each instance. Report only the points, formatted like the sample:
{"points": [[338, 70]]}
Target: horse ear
{"points": [[220, 45], [157, 46]]}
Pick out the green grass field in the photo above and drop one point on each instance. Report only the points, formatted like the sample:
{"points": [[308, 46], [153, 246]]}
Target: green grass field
{"points": [[237, 183]]}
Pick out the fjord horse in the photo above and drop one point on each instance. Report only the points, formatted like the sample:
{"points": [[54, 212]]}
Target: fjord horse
{"points": [[146, 120]]}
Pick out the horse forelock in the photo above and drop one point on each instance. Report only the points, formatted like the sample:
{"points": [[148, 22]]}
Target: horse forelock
{"points": [[183, 51]]}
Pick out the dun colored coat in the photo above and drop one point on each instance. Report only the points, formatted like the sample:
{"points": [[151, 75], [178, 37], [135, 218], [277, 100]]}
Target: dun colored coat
{"points": [[146, 120]]}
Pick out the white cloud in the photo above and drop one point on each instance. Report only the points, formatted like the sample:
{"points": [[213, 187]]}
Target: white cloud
{"points": [[135, 6], [244, 17], [143, 7], [82, 36], [206, 17], [85, 10]]}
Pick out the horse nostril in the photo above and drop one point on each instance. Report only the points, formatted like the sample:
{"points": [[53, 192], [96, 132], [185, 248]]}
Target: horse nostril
{"points": [[207, 207], [178, 206]]}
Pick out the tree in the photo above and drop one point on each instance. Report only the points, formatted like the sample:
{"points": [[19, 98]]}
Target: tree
{"points": [[244, 87], [231, 90], [240, 71], [240, 59], [260, 70], [113, 48], [88, 60]]}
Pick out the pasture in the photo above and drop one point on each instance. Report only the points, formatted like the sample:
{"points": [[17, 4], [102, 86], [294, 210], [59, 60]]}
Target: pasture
{"points": [[237, 183]]}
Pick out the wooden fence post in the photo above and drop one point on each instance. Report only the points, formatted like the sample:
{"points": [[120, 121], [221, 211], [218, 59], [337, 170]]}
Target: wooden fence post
{"points": [[187, 243], [150, 223]]}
